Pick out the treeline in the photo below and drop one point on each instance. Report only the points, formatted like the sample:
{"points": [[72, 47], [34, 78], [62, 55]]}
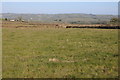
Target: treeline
{"points": [[112, 21], [115, 21]]}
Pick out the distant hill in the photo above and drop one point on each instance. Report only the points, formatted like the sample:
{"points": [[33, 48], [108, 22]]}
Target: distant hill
{"points": [[62, 18]]}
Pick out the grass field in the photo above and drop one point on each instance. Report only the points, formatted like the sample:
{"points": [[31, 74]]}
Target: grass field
{"points": [[78, 53]]}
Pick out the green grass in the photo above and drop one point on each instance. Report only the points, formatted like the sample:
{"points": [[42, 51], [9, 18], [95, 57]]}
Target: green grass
{"points": [[26, 53]]}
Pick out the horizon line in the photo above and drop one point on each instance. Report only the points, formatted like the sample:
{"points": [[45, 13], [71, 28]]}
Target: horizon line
{"points": [[58, 13]]}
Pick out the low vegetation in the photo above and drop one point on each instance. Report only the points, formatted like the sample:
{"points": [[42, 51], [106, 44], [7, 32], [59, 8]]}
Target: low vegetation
{"points": [[60, 53]]}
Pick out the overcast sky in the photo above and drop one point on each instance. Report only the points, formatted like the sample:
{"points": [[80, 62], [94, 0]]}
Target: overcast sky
{"points": [[61, 7]]}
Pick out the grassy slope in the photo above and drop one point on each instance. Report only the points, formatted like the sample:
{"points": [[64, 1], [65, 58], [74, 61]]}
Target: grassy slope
{"points": [[26, 53]]}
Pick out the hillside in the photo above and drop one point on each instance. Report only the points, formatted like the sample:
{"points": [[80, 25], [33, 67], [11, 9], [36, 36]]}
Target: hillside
{"points": [[62, 18]]}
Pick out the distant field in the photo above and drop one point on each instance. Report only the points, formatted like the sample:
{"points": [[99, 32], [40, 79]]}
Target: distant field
{"points": [[77, 53]]}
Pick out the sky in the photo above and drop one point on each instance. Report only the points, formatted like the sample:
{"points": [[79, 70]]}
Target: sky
{"points": [[60, 0], [110, 8]]}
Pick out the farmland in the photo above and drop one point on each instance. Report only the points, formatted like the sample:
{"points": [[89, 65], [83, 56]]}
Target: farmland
{"points": [[59, 52]]}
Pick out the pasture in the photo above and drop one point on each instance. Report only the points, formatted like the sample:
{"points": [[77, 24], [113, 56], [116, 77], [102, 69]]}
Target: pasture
{"points": [[60, 53]]}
